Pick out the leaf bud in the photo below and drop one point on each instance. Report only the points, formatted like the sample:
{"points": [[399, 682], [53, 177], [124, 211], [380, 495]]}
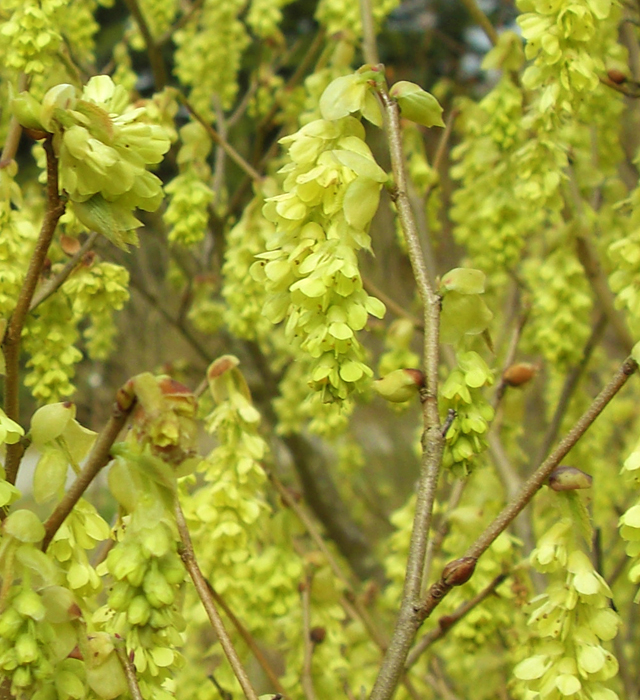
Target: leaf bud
{"points": [[569, 479], [59, 97], [400, 385], [616, 76], [317, 634], [519, 374], [459, 571], [26, 110], [416, 104], [49, 422]]}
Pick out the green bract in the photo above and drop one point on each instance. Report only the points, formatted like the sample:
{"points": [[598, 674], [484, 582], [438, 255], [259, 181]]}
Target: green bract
{"points": [[105, 145], [417, 104]]}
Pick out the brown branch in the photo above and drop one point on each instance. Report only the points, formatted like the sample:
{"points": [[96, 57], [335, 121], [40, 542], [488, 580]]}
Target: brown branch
{"points": [[408, 621], [189, 558], [570, 384], [218, 140], [13, 333], [315, 535], [98, 458], [442, 587], [446, 622], [129, 671], [249, 641], [47, 289], [153, 50]]}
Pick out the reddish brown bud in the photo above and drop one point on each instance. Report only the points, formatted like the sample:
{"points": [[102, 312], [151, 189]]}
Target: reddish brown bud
{"points": [[35, 134], [317, 634], [519, 374], [569, 479], [221, 365], [616, 76], [75, 653], [69, 245], [89, 258], [458, 571]]}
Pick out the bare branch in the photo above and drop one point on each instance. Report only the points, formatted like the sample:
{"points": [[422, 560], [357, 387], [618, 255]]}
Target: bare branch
{"points": [[46, 290], [13, 333], [129, 671], [189, 558], [408, 620]]}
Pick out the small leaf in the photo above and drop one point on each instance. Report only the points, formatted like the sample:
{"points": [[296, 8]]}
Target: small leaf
{"points": [[531, 668], [567, 684], [375, 307], [25, 526], [112, 221], [361, 202], [50, 475], [463, 314], [417, 104], [341, 97]]}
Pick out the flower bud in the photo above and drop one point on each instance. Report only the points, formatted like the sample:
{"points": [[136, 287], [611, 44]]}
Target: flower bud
{"points": [[459, 571], [519, 374], [49, 422], [416, 104], [569, 479], [317, 634], [616, 76], [26, 110], [59, 97], [400, 385]]}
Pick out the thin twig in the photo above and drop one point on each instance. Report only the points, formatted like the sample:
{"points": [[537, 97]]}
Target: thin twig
{"points": [[153, 50], [408, 621], [129, 671], [98, 458], [217, 138], [435, 543], [307, 674], [391, 304], [446, 622], [166, 36], [369, 46], [442, 587], [440, 151], [249, 640], [570, 384], [189, 558], [311, 528], [13, 333], [510, 357], [481, 20], [47, 289]]}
